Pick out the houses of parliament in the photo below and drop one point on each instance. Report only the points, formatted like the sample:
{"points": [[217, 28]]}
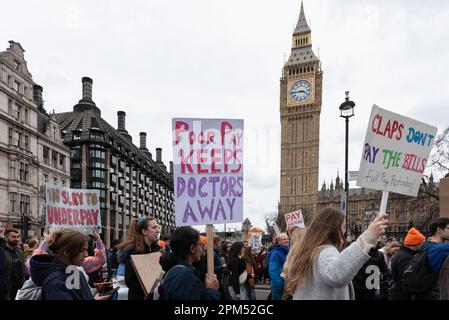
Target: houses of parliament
{"points": [[301, 89]]}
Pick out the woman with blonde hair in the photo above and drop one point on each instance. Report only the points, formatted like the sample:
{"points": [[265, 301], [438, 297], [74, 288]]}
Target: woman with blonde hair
{"points": [[323, 268], [295, 238]]}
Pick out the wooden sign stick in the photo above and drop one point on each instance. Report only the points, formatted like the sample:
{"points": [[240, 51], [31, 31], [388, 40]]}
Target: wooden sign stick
{"points": [[210, 249], [383, 203]]}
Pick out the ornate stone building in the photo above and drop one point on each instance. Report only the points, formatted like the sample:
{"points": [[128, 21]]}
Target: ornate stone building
{"points": [[31, 150], [404, 211], [300, 108]]}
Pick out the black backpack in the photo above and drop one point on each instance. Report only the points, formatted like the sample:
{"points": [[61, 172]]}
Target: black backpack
{"points": [[417, 277]]}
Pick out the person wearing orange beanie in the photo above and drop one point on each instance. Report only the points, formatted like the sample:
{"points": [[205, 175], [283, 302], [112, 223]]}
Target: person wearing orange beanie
{"points": [[414, 238], [412, 244]]}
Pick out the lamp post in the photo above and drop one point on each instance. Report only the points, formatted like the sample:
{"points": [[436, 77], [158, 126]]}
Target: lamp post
{"points": [[347, 111]]}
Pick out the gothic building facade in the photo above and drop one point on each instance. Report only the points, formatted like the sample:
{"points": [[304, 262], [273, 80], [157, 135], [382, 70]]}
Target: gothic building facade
{"points": [[300, 109], [403, 211]]}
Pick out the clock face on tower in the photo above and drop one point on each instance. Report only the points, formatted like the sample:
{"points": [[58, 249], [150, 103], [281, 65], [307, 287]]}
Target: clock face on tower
{"points": [[301, 90]]}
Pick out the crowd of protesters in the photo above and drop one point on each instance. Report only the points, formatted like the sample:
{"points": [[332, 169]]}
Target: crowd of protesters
{"points": [[316, 262]]}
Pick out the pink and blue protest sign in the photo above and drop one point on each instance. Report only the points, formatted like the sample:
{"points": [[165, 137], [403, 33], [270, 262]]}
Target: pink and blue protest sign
{"points": [[395, 152], [208, 171]]}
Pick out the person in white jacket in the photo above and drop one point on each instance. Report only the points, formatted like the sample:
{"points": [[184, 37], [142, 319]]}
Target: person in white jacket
{"points": [[321, 268]]}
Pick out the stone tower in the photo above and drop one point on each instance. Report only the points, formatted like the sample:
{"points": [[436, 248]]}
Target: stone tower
{"points": [[300, 108]]}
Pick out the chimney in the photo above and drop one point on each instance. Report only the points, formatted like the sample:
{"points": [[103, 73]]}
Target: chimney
{"points": [[171, 167], [87, 88], [37, 95], [143, 140], [158, 154], [121, 120]]}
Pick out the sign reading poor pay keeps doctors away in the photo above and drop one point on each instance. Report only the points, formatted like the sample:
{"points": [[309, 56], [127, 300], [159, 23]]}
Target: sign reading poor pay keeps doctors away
{"points": [[208, 171], [395, 152]]}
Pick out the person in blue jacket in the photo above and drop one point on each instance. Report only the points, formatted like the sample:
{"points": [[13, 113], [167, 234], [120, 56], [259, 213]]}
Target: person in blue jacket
{"points": [[437, 249], [181, 281], [276, 259]]}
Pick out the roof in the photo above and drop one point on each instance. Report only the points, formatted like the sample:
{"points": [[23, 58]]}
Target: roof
{"points": [[301, 26], [83, 121], [301, 55]]}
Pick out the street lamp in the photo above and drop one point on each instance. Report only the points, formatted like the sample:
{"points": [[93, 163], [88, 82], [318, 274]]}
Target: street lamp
{"points": [[347, 111]]}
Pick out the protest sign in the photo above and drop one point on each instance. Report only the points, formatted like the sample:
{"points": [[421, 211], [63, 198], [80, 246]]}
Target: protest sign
{"points": [[294, 218], [255, 238], [208, 171], [148, 270], [73, 208], [395, 153]]}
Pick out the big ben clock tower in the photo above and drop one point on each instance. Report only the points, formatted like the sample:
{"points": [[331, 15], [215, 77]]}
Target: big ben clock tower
{"points": [[300, 108]]}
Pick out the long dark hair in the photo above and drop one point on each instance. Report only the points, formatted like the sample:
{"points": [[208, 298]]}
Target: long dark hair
{"points": [[235, 251], [183, 238]]}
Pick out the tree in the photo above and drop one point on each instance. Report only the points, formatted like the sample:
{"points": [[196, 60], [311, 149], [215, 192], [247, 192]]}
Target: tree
{"points": [[270, 217], [439, 159]]}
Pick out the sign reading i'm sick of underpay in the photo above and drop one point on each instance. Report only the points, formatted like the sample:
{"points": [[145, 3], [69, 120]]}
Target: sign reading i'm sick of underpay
{"points": [[73, 208], [294, 218], [208, 171], [395, 152]]}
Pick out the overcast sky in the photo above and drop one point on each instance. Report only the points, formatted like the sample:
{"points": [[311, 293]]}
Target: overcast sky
{"points": [[158, 59]]}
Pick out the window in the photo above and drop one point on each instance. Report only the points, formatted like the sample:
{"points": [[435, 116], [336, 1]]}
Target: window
{"points": [[12, 169], [16, 65], [98, 135], [113, 160], [94, 173], [10, 135], [75, 174], [76, 135], [100, 154], [45, 154], [98, 184], [12, 202], [24, 204], [53, 133], [63, 183], [17, 86], [26, 143], [98, 164], [61, 162], [55, 181], [18, 113], [24, 171], [18, 137], [54, 159], [75, 153]]}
